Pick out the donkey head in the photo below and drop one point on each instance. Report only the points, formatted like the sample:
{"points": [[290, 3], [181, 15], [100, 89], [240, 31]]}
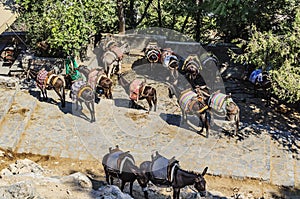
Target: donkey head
{"points": [[200, 183]]}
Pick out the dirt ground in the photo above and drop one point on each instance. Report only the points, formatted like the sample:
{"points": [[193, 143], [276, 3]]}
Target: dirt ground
{"points": [[222, 186]]}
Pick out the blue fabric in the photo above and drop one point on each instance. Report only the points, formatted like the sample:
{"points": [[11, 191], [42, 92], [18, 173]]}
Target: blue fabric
{"points": [[256, 74]]}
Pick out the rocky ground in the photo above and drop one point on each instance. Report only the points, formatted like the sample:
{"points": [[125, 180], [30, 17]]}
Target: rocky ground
{"points": [[46, 177]]}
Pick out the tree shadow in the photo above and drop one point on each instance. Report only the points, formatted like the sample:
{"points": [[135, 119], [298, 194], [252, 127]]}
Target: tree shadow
{"points": [[287, 192], [280, 120]]}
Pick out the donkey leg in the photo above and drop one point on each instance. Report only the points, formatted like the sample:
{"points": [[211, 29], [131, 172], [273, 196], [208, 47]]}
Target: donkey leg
{"points": [[120, 67], [58, 92], [90, 106], [176, 192], [111, 180], [145, 192], [109, 70], [149, 100], [130, 187], [201, 123], [183, 119], [123, 185]]}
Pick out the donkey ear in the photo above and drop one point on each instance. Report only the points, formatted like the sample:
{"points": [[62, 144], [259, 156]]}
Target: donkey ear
{"points": [[204, 171]]}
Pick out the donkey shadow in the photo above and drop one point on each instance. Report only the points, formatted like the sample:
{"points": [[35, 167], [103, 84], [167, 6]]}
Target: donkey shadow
{"points": [[192, 123], [68, 109], [126, 103], [37, 95]]}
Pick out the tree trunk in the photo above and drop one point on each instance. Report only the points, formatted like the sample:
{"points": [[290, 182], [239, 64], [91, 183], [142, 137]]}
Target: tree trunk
{"points": [[132, 14], [145, 12], [121, 17], [185, 22], [198, 22], [159, 14]]}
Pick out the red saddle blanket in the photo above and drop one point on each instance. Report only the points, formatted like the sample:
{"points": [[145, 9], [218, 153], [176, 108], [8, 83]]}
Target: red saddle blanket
{"points": [[41, 78], [134, 89], [117, 51]]}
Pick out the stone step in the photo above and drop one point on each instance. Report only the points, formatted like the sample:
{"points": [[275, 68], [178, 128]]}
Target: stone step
{"points": [[16, 119]]}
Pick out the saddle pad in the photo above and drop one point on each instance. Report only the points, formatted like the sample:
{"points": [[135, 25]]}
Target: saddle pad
{"points": [[75, 89], [207, 59], [112, 160], [185, 99], [134, 89], [159, 168], [41, 77], [256, 74], [216, 101], [93, 77], [117, 51]]}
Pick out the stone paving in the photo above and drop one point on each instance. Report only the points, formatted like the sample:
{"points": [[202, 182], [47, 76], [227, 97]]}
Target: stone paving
{"points": [[44, 128], [31, 126]]}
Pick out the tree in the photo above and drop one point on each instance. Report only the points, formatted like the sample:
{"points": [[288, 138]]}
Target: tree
{"points": [[66, 25], [235, 17], [280, 54]]}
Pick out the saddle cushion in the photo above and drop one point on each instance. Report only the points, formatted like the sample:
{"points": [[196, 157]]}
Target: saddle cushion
{"points": [[112, 160], [162, 169], [159, 168], [41, 78], [94, 75], [116, 160], [185, 99], [256, 75], [76, 86], [134, 89], [117, 51], [216, 101]]}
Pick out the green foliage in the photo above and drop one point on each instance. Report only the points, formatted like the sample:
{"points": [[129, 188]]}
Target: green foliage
{"points": [[235, 17], [66, 25], [281, 54]]}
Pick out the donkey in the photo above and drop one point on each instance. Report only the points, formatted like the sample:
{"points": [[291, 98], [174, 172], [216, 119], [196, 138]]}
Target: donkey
{"points": [[152, 53], [212, 69], [191, 103], [191, 69], [82, 92], [48, 80], [121, 165], [112, 58], [172, 63], [164, 172], [224, 104], [98, 80], [139, 90]]}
